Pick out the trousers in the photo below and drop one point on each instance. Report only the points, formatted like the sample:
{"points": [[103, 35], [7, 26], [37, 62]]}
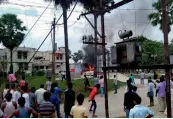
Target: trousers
{"points": [[162, 103]]}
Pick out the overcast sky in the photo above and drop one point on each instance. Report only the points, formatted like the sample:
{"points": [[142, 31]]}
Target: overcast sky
{"points": [[132, 16]]}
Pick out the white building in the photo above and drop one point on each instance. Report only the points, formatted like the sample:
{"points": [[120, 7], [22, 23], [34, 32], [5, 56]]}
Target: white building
{"points": [[42, 59]]}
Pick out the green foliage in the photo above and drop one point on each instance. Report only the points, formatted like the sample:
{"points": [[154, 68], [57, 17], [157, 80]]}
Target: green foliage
{"points": [[153, 51], [156, 17], [90, 5], [40, 73], [62, 3], [11, 31]]}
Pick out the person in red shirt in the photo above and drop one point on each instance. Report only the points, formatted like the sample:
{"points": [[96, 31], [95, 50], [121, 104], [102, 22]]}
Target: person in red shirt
{"points": [[92, 98], [22, 82]]}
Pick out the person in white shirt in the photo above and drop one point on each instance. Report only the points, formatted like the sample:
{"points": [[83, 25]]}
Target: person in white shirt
{"points": [[39, 94], [101, 82], [142, 77], [115, 84], [26, 96], [17, 95], [7, 88], [48, 84], [79, 111], [12, 91], [171, 104]]}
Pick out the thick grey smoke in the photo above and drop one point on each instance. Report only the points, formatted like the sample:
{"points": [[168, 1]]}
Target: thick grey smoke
{"points": [[132, 16]]}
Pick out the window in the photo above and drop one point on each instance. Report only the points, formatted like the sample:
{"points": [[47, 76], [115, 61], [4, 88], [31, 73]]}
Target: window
{"points": [[57, 66], [57, 57], [19, 55], [60, 56], [25, 55]]}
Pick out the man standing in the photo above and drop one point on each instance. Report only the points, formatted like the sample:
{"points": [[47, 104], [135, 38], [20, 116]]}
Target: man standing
{"points": [[142, 77], [48, 74], [139, 111], [79, 111], [161, 91], [115, 84], [39, 94], [128, 99], [101, 82], [69, 100], [46, 109], [86, 82], [26, 96]]}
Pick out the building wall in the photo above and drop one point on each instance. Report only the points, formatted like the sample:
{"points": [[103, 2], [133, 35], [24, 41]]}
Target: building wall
{"points": [[46, 61]]}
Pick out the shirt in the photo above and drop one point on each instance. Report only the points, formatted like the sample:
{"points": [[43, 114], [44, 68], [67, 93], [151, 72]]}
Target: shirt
{"points": [[11, 78], [26, 96], [101, 82], [115, 81], [17, 95], [150, 87], [93, 94], [48, 83], [46, 109], [142, 75], [53, 99], [79, 111], [96, 81], [39, 95], [32, 99], [161, 89], [12, 92], [139, 111], [128, 100], [69, 101], [22, 83]]}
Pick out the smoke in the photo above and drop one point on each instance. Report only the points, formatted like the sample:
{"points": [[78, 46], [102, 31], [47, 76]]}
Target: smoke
{"points": [[132, 16]]}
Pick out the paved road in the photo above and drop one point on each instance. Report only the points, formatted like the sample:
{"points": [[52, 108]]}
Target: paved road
{"points": [[116, 101]]}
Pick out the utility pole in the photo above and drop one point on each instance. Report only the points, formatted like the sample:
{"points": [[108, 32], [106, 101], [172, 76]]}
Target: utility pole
{"points": [[53, 50], [68, 76], [95, 46], [104, 59], [167, 60]]}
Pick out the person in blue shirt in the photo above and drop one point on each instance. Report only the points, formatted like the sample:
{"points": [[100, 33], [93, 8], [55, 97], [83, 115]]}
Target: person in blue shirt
{"points": [[139, 111], [132, 80], [55, 101], [57, 92]]}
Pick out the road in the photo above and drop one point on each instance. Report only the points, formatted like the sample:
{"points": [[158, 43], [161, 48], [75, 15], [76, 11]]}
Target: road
{"points": [[116, 101]]}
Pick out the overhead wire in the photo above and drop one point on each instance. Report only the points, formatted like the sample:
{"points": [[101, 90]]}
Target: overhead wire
{"points": [[44, 40], [148, 21], [32, 27], [51, 31]]}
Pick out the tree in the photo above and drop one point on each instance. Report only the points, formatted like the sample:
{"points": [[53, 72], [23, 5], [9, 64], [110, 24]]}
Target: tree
{"points": [[152, 51], [11, 33], [156, 17]]}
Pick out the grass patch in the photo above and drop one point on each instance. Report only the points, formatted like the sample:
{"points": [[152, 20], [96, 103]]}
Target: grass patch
{"points": [[78, 85]]}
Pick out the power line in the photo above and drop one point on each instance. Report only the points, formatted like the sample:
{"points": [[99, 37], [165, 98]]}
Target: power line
{"points": [[44, 40], [32, 26]]}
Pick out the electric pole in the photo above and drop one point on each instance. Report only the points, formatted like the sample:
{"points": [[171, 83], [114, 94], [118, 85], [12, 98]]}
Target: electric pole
{"points": [[167, 60], [104, 59], [68, 76], [53, 50], [95, 46]]}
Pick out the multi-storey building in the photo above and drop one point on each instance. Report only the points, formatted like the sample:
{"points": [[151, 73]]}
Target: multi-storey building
{"points": [[42, 59]]}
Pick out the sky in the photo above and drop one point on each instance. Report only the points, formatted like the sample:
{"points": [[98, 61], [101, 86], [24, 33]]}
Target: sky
{"points": [[132, 16]]}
